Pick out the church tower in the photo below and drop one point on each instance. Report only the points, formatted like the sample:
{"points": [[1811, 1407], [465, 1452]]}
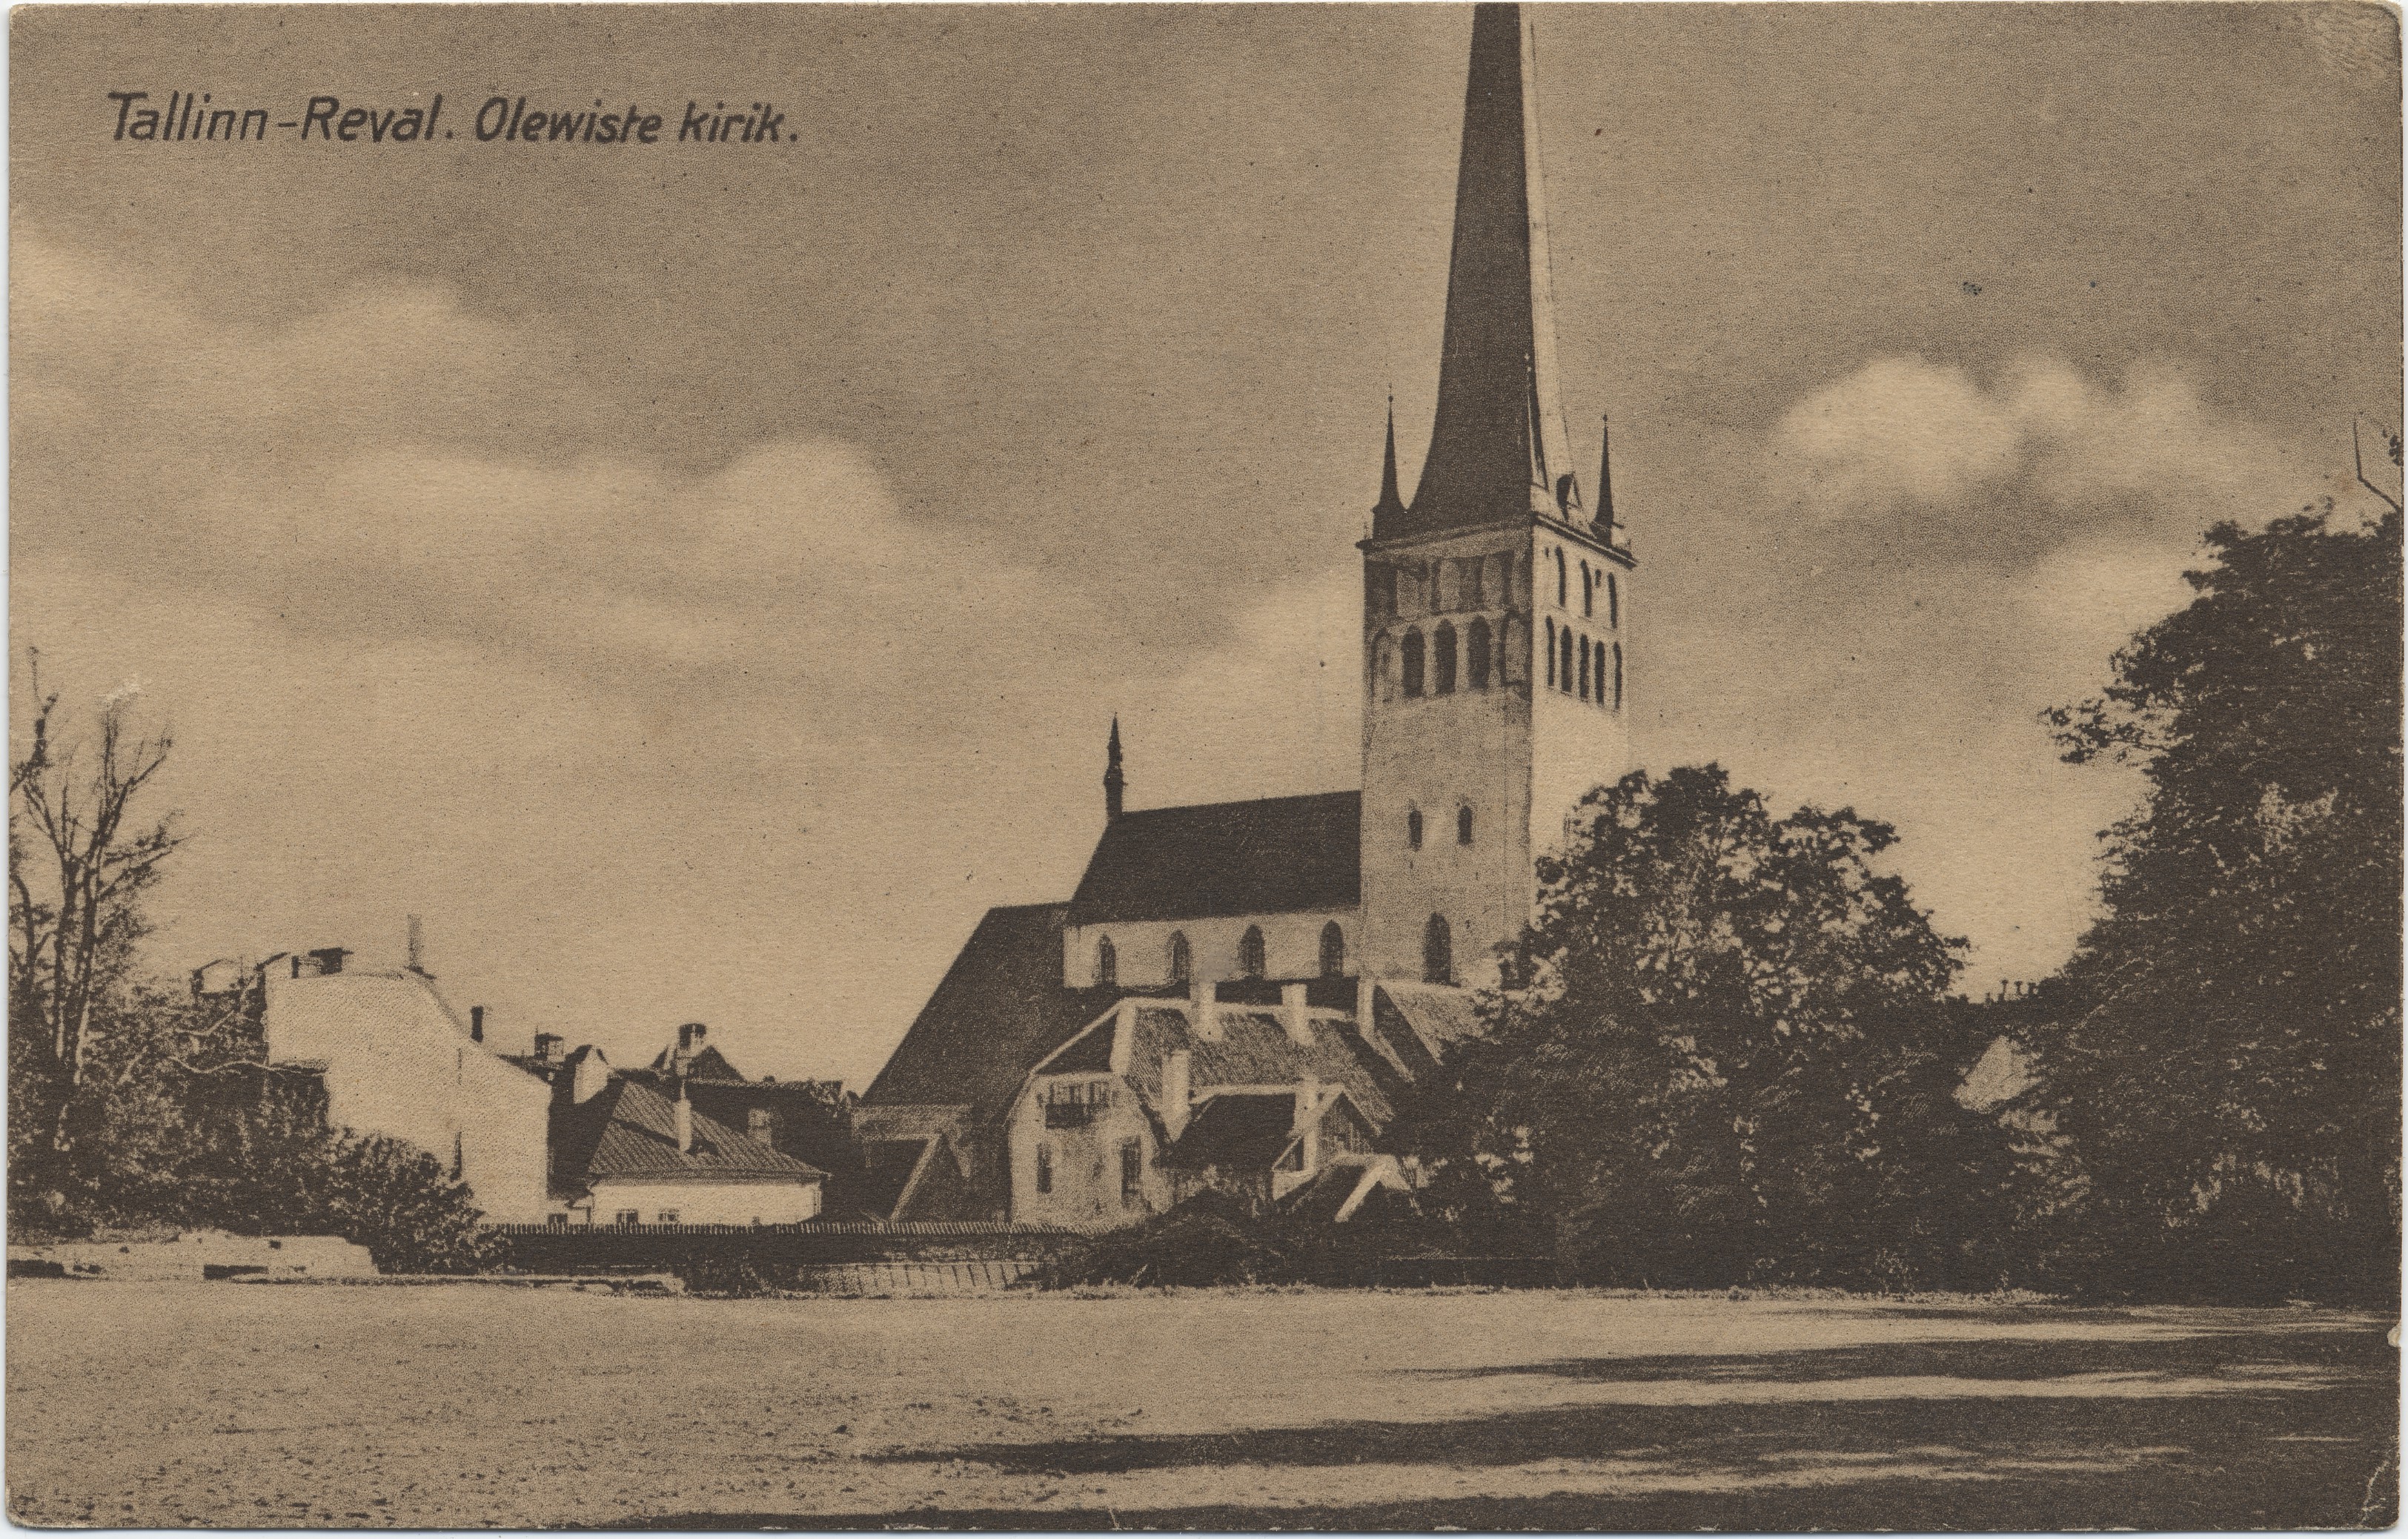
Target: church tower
{"points": [[1496, 601]]}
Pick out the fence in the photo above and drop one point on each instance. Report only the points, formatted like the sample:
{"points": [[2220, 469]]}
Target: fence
{"points": [[617, 1247]]}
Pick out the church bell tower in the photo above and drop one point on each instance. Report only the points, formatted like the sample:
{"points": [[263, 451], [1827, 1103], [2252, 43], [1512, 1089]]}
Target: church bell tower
{"points": [[1496, 602]]}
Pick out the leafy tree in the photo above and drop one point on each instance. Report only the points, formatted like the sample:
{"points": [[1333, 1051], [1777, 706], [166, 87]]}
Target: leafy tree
{"points": [[82, 858], [133, 1104], [1720, 1054], [2227, 1074]]}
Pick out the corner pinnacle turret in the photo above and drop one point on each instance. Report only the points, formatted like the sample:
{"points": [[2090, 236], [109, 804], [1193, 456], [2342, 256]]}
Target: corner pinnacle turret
{"points": [[1114, 781], [1498, 448]]}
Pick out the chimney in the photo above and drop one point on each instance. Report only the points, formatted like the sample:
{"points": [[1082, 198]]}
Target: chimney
{"points": [[1201, 1009], [684, 1117], [756, 1122], [589, 1075], [547, 1047], [476, 1023], [413, 944], [690, 1036], [1178, 1091], [1295, 1015], [324, 962]]}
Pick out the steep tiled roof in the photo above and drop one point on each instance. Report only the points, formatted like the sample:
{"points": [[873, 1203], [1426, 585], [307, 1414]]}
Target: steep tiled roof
{"points": [[1276, 855], [1089, 1054], [1000, 1008], [1255, 1049], [1441, 1015], [629, 1130]]}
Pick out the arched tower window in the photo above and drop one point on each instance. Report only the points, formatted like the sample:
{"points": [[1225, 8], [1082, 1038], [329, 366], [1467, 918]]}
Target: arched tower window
{"points": [[1412, 663], [1612, 603], [1475, 654], [1583, 668], [1438, 951], [1384, 667], [1617, 675], [1414, 829], [1588, 590], [1333, 951], [1559, 578], [1463, 824], [1551, 653], [1504, 588], [1442, 644], [1182, 966], [1108, 964], [1249, 952], [1467, 581], [1564, 660]]}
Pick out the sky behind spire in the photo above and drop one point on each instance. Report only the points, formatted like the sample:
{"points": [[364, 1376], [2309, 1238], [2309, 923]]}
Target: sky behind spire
{"points": [[693, 586]]}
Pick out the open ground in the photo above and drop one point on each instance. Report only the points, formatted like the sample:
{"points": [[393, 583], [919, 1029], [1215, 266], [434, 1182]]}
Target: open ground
{"points": [[138, 1405]]}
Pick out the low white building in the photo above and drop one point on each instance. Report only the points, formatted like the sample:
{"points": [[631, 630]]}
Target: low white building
{"points": [[625, 1152], [396, 1060]]}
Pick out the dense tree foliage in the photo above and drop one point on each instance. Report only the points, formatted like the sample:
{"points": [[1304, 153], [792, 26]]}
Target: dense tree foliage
{"points": [[1723, 1053], [2225, 1070]]}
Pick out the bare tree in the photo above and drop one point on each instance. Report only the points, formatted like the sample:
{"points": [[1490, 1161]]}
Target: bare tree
{"points": [[81, 855]]}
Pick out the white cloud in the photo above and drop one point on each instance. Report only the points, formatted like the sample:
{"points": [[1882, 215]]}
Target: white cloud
{"points": [[644, 742], [1906, 432]]}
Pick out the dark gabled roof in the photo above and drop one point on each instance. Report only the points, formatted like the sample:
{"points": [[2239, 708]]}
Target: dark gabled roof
{"points": [[1239, 1130], [1089, 1054], [1277, 855], [1000, 1008], [629, 1130], [711, 1064]]}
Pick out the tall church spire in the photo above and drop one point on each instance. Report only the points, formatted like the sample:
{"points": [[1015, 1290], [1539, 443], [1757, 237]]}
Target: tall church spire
{"points": [[1391, 505], [1498, 448]]}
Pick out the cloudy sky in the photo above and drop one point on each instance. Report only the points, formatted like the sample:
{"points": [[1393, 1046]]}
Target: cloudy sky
{"points": [[697, 579]]}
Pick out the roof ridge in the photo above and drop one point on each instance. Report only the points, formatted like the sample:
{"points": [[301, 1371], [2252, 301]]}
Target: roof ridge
{"points": [[1242, 801]]}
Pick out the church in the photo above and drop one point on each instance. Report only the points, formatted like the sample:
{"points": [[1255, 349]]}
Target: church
{"points": [[1235, 994]]}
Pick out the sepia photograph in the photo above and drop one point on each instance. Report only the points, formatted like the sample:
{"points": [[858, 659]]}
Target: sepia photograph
{"points": [[1205, 767]]}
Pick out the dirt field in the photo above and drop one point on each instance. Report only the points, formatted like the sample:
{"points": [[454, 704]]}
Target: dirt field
{"points": [[430, 1407]]}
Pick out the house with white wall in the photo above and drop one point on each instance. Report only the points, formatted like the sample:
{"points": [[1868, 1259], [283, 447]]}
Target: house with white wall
{"points": [[397, 1059]]}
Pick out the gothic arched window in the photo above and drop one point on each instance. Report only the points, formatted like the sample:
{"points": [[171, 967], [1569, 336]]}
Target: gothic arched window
{"points": [[1583, 668], [1475, 654], [1463, 824], [1384, 667], [1612, 603], [1564, 662], [1588, 590], [1249, 952], [1551, 654], [1108, 964], [1182, 966], [1412, 663], [1414, 829], [1333, 951], [1559, 578], [1617, 675], [1443, 646], [1438, 951]]}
